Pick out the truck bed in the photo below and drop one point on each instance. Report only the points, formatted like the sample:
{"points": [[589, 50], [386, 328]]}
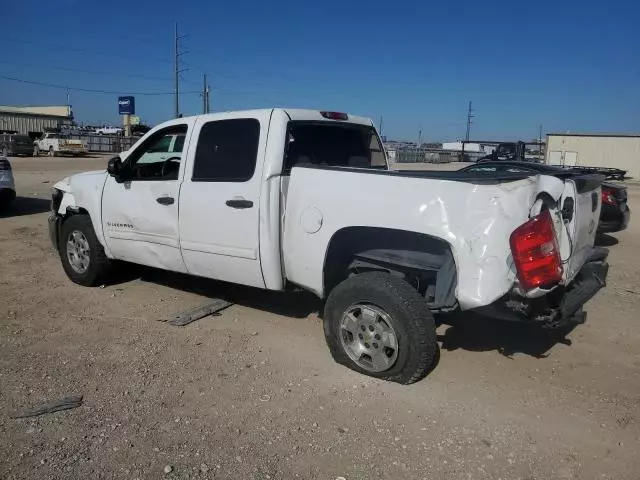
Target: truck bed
{"points": [[479, 178]]}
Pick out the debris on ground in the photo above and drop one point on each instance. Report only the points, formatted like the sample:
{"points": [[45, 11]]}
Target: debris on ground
{"points": [[185, 318], [66, 403]]}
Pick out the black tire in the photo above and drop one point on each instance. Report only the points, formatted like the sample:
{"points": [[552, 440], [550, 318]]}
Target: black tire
{"points": [[408, 313], [99, 266], [52, 152]]}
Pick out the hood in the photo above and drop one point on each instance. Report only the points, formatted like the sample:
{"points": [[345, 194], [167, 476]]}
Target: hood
{"points": [[79, 180]]}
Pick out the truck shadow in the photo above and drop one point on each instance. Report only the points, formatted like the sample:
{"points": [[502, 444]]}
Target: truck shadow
{"points": [[25, 206], [297, 304], [466, 331], [479, 334]]}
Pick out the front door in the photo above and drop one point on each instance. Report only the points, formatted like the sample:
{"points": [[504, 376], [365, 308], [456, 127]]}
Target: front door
{"points": [[140, 212], [220, 199]]}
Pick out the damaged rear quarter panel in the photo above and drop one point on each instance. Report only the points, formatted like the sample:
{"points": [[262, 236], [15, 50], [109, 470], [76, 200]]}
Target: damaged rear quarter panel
{"points": [[475, 220]]}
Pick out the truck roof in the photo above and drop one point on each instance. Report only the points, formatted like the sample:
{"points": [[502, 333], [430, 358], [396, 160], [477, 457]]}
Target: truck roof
{"points": [[302, 114], [296, 114]]}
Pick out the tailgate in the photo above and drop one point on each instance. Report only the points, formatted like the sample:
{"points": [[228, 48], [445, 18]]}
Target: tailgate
{"points": [[585, 193]]}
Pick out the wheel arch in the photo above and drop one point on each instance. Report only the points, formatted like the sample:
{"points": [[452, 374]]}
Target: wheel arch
{"points": [[72, 204], [427, 262]]}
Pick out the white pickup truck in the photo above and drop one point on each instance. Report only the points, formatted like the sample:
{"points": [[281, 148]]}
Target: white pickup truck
{"points": [[54, 144], [279, 198]]}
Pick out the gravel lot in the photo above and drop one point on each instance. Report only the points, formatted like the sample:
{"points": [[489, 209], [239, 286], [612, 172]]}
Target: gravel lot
{"points": [[253, 393]]}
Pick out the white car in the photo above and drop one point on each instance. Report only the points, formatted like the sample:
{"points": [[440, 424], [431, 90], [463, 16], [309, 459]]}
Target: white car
{"points": [[7, 184], [107, 130], [279, 198]]}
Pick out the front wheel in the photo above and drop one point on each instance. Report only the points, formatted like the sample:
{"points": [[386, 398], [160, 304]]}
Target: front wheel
{"points": [[82, 255], [379, 325], [36, 151]]}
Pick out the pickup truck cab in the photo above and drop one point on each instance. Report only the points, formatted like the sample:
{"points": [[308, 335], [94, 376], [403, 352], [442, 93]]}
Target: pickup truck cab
{"points": [[281, 197]]}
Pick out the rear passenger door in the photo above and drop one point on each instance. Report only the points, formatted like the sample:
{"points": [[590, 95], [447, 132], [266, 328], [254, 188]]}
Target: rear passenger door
{"points": [[220, 198]]}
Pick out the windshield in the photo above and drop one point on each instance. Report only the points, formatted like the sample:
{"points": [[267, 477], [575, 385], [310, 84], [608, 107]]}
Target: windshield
{"points": [[333, 144]]}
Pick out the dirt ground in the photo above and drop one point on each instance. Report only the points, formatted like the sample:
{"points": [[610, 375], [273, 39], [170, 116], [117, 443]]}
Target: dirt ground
{"points": [[253, 393]]}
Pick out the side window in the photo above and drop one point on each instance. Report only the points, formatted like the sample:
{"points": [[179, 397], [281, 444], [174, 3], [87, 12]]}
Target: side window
{"points": [[178, 145], [153, 160], [160, 146], [377, 152], [227, 151]]}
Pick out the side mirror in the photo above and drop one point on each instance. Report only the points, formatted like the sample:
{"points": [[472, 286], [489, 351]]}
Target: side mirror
{"points": [[114, 167]]}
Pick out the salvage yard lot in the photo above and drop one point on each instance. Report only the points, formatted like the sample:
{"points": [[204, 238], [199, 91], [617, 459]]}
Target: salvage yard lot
{"points": [[253, 393]]}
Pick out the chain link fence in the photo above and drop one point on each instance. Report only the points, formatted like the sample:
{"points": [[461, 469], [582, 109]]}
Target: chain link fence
{"points": [[423, 155], [106, 143]]}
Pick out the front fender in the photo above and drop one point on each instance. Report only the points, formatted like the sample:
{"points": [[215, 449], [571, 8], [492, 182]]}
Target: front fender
{"points": [[82, 193]]}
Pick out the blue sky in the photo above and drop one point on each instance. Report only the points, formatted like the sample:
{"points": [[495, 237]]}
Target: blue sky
{"points": [[567, 65]]}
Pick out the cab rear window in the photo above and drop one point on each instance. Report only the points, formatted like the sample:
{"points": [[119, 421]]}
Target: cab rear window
{"points": [[333, 144]]}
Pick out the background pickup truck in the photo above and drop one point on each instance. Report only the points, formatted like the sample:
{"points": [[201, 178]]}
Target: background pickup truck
{"points": [[278, 198], [57, 144]]}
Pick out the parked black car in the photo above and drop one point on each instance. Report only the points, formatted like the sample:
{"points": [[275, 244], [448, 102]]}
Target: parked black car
{"points": [[12, 144], [614, 214]]}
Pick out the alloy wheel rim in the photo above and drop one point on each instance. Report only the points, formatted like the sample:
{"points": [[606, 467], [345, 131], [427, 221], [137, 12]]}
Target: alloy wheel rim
{"points": [[78, 251], [368, 337]]}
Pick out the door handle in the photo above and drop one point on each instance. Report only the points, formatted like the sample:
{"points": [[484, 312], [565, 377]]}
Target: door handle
{"points": [[165, 200], [239, 203]]}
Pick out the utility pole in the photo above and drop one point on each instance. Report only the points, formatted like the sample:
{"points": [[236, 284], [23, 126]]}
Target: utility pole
{"points": [[540, 156], [208, 99], [469, 122], [204, 94], [380, 126], [466, 137], [419, 137], [177, 71]]}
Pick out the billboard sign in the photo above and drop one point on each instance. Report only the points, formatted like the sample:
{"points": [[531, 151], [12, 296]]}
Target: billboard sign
{"points": [[126, 105]]}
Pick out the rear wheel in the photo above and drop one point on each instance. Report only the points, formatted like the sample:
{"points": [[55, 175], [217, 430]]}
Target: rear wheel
{"points": [[379, 325], [36, 151], [52, 152], [82, 255]]}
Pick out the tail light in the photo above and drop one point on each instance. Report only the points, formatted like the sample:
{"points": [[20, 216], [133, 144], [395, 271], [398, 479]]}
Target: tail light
{"points": [[608, 197], [535, 252]]}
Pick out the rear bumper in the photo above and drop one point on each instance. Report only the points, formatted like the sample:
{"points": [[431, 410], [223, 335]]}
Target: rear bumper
{"points": [[614, 223], [562, 305], [71, 151], [7, 195], [20, 150]]}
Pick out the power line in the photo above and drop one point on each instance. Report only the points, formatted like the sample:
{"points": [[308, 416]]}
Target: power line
{"points": [[82, 70], [90, 90], [87, 51]]}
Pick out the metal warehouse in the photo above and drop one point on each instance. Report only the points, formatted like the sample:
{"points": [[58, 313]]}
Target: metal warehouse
{"points": [[593, 150], [34, 120]]}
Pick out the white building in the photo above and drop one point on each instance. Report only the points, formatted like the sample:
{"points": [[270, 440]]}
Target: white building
{"points": [[34, 120], [595, 150]]}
